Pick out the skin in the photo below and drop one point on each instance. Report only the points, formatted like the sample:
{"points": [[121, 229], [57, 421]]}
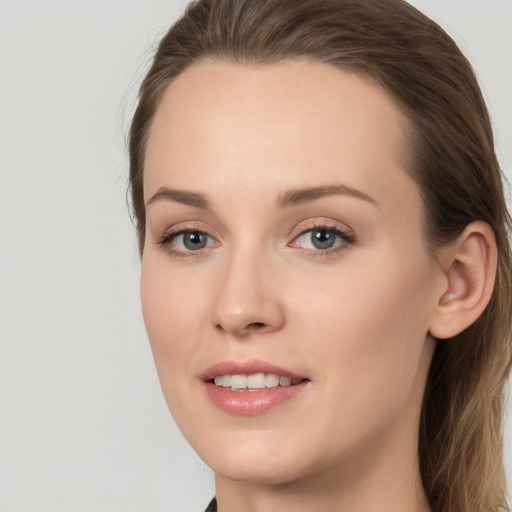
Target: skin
{"points": [[354, 320]]}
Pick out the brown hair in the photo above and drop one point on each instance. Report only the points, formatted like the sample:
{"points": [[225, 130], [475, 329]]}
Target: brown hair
{"points": [[454, 164]]}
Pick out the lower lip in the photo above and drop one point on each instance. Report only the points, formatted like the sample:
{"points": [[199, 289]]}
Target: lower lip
{"points": [[250, 403]]}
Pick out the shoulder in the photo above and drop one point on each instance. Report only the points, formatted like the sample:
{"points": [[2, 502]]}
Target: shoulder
{"points": [[212, 507]]}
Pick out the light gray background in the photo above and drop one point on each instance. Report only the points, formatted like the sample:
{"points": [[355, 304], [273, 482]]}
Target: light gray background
{"points": [[83, 426]]}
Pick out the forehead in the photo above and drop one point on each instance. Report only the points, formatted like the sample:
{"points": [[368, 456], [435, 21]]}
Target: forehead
{"points": [[305, 120]]}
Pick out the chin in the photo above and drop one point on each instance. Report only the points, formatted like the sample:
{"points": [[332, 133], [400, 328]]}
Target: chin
{"points": [[262, 472], [256, 460]]}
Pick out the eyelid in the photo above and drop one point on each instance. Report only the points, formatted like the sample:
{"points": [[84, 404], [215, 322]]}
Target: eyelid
{"points": [[341, 230], [193, 225], [322, 223], [171, 233], [346, 238]]}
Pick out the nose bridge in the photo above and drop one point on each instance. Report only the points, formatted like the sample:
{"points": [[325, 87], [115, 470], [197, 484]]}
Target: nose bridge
{"points": [[246, 299]]}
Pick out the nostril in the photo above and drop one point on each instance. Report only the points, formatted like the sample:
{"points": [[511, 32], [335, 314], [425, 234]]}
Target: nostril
{"points": [[244, 329], [256, 326], [251, 327]]}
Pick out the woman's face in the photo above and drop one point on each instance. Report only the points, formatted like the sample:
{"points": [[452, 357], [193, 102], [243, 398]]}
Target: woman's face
{"points": [[284, 247]]}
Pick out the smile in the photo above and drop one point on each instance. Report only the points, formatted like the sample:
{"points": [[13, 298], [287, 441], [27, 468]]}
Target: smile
{"points": [[254, 382], [251, 387]]}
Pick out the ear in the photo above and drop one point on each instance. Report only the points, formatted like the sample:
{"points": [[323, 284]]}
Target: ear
{"points": [[468, 272]]}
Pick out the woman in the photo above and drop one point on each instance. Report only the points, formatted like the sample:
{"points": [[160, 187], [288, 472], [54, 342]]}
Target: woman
{"points": [[326, 273]]}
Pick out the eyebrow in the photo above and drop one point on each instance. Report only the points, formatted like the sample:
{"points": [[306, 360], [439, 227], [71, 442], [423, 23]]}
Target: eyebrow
{"points": [[180, 196], [289, 198], [303, 195]]}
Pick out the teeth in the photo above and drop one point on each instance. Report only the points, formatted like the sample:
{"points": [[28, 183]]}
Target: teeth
{"points": [[223, 381], [254, 381], [271, 380], [284, 381], [238, 381]]}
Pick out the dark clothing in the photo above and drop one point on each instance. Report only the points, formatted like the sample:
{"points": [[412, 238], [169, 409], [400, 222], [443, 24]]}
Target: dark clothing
{"points": [[212, 507]]}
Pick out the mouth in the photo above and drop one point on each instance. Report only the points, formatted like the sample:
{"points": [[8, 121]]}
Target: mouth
{"points": [[254, 381], [253, 387]]}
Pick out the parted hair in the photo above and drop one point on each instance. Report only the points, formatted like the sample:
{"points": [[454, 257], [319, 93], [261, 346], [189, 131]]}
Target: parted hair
{"points": [[453, 161]]}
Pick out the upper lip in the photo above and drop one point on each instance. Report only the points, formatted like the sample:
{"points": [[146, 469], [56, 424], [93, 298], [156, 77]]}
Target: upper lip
{"points": [[246, 368]]}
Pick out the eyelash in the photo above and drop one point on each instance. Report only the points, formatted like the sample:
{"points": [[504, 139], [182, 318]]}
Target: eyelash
{"points": [[165, 242], [347, 238]]}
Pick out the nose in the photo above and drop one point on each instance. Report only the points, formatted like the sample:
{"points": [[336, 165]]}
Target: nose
{"points": [[247, 300]]}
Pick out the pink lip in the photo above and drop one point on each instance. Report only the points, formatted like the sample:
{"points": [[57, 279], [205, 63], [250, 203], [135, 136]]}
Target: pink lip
{"points": [[250, 402]]}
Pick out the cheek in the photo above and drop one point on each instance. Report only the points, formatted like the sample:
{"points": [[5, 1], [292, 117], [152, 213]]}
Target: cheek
{"points": [[171, 305], [367, 328]]}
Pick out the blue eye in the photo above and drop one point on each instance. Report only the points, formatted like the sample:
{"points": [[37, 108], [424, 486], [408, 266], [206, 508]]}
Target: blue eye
{"points": [[186, 241], [323, 239], [193, 240]]}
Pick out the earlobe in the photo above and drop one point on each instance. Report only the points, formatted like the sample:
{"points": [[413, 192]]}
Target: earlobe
{"points": [[469, 270]]}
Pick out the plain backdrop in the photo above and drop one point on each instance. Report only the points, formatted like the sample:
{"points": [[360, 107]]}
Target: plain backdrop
{"points": [[83, 425]]}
